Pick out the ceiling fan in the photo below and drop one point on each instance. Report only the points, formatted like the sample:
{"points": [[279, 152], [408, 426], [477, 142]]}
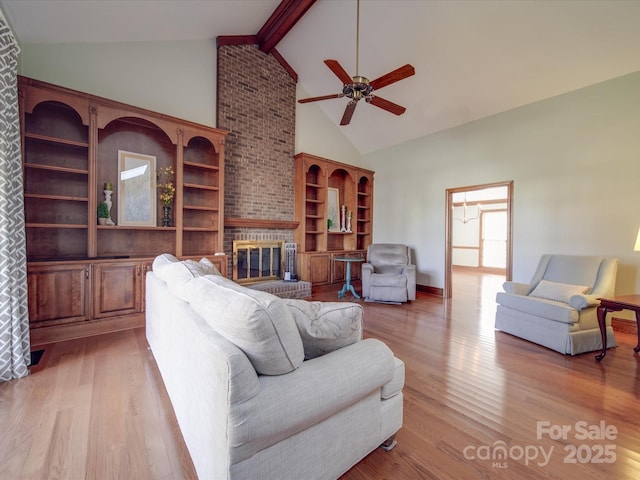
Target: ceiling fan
{"points": [[358, 87]]}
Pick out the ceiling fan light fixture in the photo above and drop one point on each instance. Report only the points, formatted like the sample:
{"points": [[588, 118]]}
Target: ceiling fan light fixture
{"points": [[360, 88]]}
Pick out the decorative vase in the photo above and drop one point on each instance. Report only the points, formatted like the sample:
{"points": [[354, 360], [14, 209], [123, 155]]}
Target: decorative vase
{"points": [[166, 220]]}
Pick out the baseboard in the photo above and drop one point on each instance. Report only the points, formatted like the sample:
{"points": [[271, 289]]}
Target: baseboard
{"points": [[438, 292], [623, 325]]}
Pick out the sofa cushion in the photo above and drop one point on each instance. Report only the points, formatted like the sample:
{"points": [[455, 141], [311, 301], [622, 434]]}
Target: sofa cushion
{"points": [[573, 269], [162, 260], [388, 280], [326, 326], [259, 323], [560, 292], [167, 267], [539, 307], [177, 274], [389, 269]]}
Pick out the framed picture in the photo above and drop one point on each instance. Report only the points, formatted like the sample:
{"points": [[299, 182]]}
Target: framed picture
{"points": [[136, 189], [333, 209]]}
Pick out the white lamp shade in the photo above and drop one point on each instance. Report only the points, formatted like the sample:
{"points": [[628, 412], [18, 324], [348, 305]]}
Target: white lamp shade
{"points": [[636, 248]]}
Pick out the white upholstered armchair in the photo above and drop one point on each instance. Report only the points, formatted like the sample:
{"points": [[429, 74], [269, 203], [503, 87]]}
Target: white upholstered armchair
{"points": [[557, 308], [388, 274]]}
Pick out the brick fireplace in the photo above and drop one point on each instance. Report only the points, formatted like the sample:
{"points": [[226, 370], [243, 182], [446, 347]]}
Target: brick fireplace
{"points": [[256, 101]]}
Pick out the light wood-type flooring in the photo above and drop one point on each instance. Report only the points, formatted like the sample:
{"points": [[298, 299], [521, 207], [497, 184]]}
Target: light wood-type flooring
{"points": [[96, 408]]}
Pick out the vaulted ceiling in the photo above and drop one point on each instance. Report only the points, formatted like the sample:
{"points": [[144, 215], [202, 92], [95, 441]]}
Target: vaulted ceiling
{"points": [[473, 58]]}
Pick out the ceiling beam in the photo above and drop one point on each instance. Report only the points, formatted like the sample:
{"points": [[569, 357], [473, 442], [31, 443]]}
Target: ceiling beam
{"points": [[288, 13]]}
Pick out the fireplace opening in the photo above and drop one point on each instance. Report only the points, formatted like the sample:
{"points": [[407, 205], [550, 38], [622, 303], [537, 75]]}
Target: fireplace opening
{"points": [[257, 261]]}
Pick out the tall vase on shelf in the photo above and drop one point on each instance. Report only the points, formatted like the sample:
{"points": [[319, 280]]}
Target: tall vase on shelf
{"points": [[167, 192], [166, 219]]}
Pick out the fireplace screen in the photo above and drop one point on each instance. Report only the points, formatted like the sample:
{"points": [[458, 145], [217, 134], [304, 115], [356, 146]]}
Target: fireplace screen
{"points": [[257, 261]]}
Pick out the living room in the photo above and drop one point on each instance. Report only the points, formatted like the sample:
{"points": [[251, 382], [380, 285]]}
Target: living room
{"points": [[572, 156]]}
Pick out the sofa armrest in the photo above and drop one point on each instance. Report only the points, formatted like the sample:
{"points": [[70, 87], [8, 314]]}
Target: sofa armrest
{"points": [[580, 302], [326, 326], [365, 273], [410, 273], [517, 288], [318, 389]]}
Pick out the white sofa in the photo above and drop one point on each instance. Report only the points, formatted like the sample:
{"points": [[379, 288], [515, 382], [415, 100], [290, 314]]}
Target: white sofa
{"points": [[264, 387], [557, 308]]}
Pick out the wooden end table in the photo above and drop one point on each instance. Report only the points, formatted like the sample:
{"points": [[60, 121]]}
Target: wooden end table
{"points": [[615, 304]]}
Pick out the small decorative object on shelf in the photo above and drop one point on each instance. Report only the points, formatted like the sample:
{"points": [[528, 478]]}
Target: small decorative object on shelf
{"points": [[108, 191], [349, 222], [166, 219], [103, 213], [343, 224], [167, 192]]}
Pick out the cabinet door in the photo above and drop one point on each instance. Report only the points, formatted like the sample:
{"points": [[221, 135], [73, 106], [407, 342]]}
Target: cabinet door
{"points": [[117, 289], [318, 268], [58, 294]]}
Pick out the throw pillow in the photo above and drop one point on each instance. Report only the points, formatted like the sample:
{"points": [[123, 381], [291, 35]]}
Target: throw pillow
{"points": [[177, 274], [326, 326], [560, 292], [163, 260], [201, 268], [259, 323]]}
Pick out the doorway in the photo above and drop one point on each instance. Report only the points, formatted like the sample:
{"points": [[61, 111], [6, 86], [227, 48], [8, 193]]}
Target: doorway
{"points": [[478, 230]]}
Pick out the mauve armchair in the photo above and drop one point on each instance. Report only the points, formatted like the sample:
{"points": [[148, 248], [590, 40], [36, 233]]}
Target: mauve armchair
{"points": [[388, 274]]}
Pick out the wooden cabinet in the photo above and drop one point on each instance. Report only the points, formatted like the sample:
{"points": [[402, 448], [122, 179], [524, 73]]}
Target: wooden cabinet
{"points": [[318, 181], [315, 268], [117, 288], [79, 271], [59, 293]]}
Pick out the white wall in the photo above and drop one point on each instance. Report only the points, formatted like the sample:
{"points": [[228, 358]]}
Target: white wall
{"points": [[175, 78], [575, 163]]}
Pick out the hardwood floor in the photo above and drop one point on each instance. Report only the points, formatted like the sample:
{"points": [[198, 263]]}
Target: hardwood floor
{"points": [[96, 408]]}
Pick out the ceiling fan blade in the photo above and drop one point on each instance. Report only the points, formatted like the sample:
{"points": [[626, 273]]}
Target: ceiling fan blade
{"points": [[386, 105], [324, 97], [348, 112], [339, 72], [393, 77]]}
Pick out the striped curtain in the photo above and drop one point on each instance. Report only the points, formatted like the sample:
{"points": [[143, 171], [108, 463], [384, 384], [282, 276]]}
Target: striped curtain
{"points": [[14, 313]]}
